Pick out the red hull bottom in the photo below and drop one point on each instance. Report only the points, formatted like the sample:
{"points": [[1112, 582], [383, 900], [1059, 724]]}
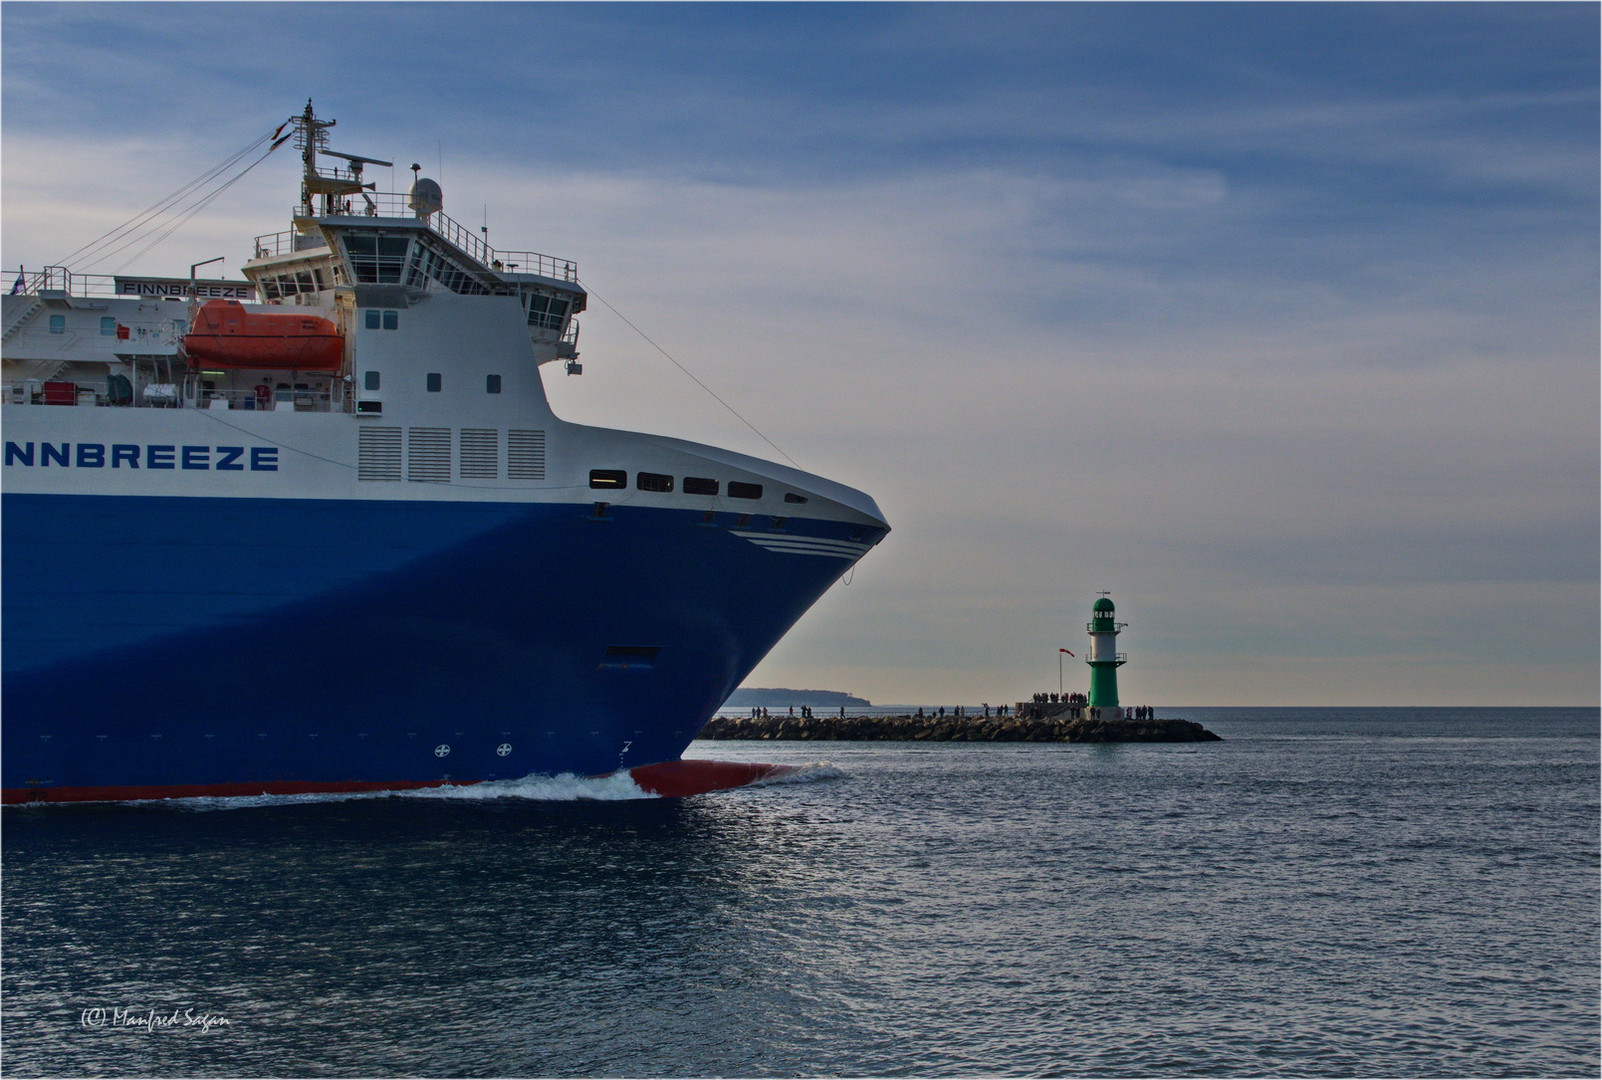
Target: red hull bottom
{"points": [[669, 779], [676, 779]]}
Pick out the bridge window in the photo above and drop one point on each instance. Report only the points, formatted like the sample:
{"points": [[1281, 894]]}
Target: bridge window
{"points": [[429, 263], [608, 478], [700, 485], [290, 283], [377, 258], [546, 312], [741, 490], [650, 481]]}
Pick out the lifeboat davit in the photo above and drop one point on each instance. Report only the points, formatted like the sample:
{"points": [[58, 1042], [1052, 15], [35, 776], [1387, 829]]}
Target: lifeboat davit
{"points": [[225, 335]]}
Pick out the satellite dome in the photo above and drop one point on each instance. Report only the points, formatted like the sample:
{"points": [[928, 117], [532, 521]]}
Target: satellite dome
{"points": [[426, 197]]}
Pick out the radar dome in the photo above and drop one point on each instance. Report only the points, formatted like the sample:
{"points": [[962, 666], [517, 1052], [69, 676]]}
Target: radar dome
{"points": [[426, 197]]}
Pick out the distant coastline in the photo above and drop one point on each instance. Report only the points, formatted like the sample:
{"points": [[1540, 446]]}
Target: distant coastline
{"points": [[782, 698]]}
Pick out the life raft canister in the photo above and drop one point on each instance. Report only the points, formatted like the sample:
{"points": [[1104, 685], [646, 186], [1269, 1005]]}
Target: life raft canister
{"points": [[225, 335]]}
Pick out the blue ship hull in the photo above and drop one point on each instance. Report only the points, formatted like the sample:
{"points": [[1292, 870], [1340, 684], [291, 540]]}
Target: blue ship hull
{"points": [[169, 646]]}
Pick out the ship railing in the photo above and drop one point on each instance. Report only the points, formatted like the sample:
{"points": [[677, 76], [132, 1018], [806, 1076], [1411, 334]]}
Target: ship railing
{"points": [[290, 242], [472, 241], [60, 279]]}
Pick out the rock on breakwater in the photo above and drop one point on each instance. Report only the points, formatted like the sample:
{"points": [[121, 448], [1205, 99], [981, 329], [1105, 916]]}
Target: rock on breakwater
{"points": [[954, 729]]}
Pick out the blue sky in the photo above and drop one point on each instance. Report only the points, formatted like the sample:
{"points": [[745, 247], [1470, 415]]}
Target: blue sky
{"points": [[1278, 321]]}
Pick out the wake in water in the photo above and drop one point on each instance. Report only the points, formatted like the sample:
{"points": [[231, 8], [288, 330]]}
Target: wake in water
{"points": [[810, 773], [563, 787]]}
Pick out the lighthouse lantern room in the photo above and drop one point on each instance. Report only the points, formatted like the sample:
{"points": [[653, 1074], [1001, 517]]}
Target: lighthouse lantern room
{"points": [[1104, 658]]}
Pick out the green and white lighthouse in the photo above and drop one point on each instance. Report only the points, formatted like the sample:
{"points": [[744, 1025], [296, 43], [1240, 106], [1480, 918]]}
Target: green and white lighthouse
{"points": [[1104, 658]]}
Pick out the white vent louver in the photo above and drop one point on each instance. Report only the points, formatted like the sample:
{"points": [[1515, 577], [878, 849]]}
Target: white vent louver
{"points": [[428, 455], [525, 455], [378, 454], [480, 454]]}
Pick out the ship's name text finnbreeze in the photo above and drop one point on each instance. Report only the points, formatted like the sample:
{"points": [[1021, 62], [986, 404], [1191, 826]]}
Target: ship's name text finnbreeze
{"points": [[148, 456]]}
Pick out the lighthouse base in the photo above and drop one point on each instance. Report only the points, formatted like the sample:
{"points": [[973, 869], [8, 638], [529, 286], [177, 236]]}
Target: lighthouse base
{"points": [[1103, 685]]}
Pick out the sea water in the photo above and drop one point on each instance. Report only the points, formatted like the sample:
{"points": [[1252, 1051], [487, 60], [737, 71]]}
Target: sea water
{"points": [[1404, 892]]}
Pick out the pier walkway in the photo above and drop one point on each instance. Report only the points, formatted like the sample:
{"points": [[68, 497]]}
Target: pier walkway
{"points": [[1054, 729]]}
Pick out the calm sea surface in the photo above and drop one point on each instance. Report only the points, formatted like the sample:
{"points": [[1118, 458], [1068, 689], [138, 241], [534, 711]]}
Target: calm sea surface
{"points": [[1373, 892]]}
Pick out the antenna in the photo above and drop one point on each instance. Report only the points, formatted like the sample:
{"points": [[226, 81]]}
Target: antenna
{"points": [[356, 159]]}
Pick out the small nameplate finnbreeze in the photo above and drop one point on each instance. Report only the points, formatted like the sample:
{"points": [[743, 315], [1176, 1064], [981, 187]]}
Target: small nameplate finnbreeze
{"points": [[179, 287]]}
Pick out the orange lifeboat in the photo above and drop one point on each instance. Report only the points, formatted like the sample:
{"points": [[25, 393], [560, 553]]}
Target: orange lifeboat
{"points": [[225, 335]]}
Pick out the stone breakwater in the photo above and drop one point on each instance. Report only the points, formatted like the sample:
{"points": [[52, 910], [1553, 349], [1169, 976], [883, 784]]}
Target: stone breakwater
{"points": [[954, 729]]}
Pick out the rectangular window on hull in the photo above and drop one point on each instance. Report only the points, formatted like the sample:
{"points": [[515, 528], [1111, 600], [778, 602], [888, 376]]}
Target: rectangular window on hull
{"points": [[650, 481], [700, 485], [433, 382], [370, 380], [740, 490], [630, 657], [608, 478]]}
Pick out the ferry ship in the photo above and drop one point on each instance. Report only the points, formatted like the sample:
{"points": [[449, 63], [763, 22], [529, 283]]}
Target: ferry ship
{"points": [[319, 530]]}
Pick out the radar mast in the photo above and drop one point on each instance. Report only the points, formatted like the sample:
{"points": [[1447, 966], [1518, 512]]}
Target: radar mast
{"points": [[311, 138]]}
